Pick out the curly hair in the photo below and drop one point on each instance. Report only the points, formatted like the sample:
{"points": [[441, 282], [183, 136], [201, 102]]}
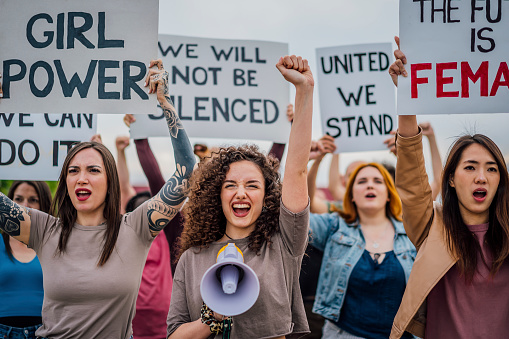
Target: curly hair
{"points": [[205, 221]]}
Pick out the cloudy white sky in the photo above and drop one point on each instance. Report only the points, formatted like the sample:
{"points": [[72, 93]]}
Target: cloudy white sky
{"points": [[305, 25]]}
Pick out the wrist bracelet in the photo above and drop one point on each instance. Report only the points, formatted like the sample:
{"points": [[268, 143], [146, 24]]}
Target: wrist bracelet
{"points": [[207, 317]]}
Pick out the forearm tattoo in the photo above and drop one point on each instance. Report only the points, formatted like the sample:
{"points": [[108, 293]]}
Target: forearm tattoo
{"points": [[157, 224], [172, 119], [169, 197], [166, 204], [11, 216]]}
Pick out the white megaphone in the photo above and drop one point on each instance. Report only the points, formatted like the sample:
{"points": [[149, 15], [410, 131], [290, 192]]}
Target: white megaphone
{"points": [[230, 287]]}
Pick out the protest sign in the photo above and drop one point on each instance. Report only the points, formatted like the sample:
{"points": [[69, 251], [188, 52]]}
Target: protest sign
{"points": [[34, 146], [62, 56], [222, 89], [357, 97], [457, 56]]}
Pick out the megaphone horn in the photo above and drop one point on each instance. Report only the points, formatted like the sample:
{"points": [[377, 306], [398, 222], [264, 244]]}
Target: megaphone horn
{"points": [[230, 287]]}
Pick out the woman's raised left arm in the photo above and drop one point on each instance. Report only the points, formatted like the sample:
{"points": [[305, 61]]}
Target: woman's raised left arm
{"points": [[166, 204]]}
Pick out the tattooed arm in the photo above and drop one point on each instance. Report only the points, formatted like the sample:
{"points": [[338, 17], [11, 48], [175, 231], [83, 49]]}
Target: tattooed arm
{"points": [[166, 204], [14, 219]]}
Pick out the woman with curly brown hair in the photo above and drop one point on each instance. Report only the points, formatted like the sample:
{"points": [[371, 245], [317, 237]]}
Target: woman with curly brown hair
{"points": [[237, 198]]}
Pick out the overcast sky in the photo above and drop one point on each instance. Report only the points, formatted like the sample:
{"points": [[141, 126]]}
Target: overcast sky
{"points": [[305, 25]]}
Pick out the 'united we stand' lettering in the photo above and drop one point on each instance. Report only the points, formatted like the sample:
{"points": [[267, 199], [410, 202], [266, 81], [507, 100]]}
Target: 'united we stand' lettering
{"points": [[357, 102]]}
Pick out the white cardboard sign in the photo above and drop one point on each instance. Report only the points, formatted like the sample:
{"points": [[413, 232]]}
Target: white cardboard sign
{"points": [[222, 89], [34, 146], [63, 56], [457, 56], [357, 97]]}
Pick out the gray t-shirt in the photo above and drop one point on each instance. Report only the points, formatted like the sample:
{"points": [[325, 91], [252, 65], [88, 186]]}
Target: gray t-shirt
{"points": [[82, 300], [279, 309]]}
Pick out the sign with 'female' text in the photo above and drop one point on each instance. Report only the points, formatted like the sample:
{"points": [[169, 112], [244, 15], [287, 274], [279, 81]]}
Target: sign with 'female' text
{"points": [[457, 56], [221, 88], [357, 97], [63, 56]]}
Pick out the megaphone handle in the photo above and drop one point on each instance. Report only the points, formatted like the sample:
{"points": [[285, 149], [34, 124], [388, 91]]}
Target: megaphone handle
{"points": [[227, 327]]}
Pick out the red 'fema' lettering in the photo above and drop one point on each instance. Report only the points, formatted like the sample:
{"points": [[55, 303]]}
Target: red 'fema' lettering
{"points": [[466, 75]]}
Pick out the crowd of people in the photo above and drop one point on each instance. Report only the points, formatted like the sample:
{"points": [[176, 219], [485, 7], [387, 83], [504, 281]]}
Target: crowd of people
{"points": [[383, 253]]}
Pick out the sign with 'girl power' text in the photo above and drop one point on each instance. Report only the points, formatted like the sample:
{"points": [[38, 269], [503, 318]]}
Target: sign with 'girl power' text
{"points": [[63, 56], [357, 97], [457, 56], [221, 88]]}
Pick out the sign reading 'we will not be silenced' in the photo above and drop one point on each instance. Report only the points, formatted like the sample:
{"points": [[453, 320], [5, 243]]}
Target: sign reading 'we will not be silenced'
{"points": [[89, 56], [357, 96], [222, 89]]}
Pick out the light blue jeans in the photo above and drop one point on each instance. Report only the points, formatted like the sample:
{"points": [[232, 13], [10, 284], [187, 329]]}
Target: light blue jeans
{"points": [[8, 332], [331, 331]]}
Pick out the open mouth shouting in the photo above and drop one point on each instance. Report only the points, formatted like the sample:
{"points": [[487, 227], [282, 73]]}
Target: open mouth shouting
{"points": [[480, 194], [370, 195], [241, 209], [82, 194]]}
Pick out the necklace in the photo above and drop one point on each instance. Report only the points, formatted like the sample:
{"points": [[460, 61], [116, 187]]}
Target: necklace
{"points": [[228, 236], [376, 243]]}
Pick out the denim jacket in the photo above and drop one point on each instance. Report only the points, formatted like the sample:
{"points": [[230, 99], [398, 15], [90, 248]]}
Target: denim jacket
{"points": [[342, 245]]}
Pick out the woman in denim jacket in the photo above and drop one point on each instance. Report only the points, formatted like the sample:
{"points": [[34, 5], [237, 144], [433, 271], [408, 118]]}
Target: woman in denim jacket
{"points": [[367, 257]]}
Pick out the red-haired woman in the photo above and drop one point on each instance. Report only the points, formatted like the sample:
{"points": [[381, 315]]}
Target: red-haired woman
{"points": [[367, 257]]}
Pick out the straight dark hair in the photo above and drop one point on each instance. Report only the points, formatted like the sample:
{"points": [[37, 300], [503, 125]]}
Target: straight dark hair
{"points": [[460, 240], [44, 196], [63, 208]]}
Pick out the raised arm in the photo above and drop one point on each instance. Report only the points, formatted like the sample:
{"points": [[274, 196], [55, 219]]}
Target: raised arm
{"points": [[436, 160], [295, 194], [126, 189], [14, 219], [166, 204], [336, 180], [317, 205], [407, 124], [318, 150], [147, 160], [149, 165], [411, 177]]}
